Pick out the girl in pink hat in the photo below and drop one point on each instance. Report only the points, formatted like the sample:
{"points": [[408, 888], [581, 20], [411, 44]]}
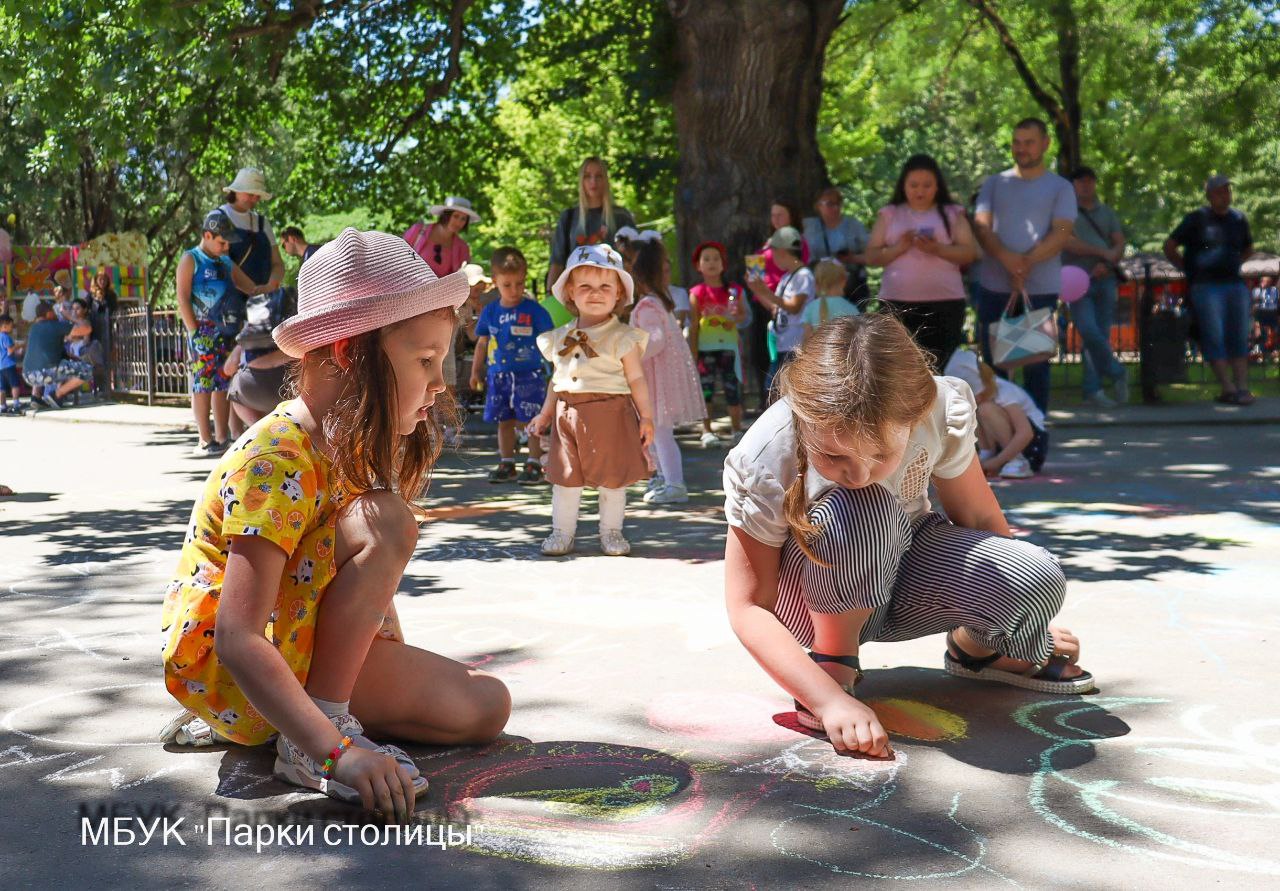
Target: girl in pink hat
{"points": [[279, 618], [597, 405]]}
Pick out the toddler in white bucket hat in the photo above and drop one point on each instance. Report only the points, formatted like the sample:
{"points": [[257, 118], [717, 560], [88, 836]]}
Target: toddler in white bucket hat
{"points": [[311, 512], [597, 407]]}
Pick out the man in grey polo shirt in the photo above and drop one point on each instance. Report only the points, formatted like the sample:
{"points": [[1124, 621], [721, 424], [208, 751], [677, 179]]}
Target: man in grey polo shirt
{"points": [[1023, 221]]}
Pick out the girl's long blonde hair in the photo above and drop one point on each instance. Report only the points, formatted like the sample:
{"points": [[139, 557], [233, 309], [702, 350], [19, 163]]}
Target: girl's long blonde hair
{"points": [[370, 452], [607, 207], [858, 375]]}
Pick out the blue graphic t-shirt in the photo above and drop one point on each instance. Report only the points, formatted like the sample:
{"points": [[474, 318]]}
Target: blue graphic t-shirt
{"points": [[6, 343], [512, 333], [209, 281]]}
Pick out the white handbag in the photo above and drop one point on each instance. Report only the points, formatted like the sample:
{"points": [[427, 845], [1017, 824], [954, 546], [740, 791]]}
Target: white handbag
{"points": [[1024, 339]]}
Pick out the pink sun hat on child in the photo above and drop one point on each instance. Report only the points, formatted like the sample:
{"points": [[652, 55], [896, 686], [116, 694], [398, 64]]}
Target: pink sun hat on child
{"points": [[359, 282], [602, 256]]}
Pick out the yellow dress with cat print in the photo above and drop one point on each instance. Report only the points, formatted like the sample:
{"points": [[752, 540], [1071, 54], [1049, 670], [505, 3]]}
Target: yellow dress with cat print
{"points": [[274, 484]]}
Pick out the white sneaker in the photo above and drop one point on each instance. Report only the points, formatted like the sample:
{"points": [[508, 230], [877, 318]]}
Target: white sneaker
{"points": [[709, 440], [612, 544], [656, 484], [1101, 400], [557, 544], [667, 495], [1017, 469]]}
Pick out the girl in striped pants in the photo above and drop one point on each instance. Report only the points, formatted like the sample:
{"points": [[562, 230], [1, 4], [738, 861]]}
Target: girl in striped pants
{"points": [[832, 540]]}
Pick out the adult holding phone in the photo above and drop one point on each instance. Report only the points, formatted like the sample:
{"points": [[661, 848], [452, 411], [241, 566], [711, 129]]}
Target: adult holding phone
{"points": [[832, 234], [922, 238]]}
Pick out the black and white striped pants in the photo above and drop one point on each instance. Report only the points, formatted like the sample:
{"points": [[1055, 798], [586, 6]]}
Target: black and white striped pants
{"points": [[919, 577]]}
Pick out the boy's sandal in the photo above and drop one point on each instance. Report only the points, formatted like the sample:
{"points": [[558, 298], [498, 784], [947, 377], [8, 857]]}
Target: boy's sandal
{"points": [[1244, 397], [1042, 677], [1232, 398], [808, 719]]}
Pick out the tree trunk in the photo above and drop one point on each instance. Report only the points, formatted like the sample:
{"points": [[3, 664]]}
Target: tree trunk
{"points": [[1067, 122], [746, 108]]}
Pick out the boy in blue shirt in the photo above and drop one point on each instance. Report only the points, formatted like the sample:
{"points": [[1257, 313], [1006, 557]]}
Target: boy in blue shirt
{"points": [[10, 382], [516, 383]]}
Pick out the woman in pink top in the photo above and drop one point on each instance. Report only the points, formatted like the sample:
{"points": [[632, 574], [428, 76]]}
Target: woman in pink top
{"points": [[922, 239], [440, 243]]}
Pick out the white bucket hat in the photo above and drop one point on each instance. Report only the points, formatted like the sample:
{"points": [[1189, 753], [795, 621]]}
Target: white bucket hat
{"points": [[601, 256], [457, 205], [359, 282], [650, 235], [250, 180]]}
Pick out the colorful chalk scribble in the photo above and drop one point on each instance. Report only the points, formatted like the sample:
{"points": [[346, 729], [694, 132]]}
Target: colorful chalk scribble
{"points": [[1177, 810]]}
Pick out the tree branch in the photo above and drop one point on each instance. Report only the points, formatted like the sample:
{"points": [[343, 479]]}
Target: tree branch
{"points": [[1042, 96], [433, 91]]}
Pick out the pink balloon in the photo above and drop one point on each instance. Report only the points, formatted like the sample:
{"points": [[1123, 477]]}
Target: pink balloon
{"points": [[1075, 283]]}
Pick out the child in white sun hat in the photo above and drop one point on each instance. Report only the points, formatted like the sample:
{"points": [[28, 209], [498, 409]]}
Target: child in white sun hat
{"points": [[597, 405], [279, 618]]}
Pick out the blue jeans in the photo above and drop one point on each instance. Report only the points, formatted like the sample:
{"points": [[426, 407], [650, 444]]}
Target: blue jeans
{"points": [[1092, 315], [990, 306], [1222, 311]]}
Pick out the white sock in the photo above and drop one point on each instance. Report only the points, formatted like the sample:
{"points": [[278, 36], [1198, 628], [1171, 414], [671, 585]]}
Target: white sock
{"points": [[667, 452], [564, 509], [613, 505], [332, 709]]}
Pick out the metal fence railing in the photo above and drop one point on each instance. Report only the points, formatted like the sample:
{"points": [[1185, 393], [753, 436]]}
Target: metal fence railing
{"points": [[149, 355]]}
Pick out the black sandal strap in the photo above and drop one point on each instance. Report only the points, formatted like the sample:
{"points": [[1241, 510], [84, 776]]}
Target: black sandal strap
{"points": [[972, 663], [846, 661]]}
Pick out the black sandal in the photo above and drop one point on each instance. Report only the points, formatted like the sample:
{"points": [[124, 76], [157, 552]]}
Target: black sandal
{"points": [[807, 718], [1042, 677]]}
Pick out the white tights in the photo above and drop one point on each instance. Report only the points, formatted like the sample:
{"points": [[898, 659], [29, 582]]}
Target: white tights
{"points": [[564, 508], [666, 452]]}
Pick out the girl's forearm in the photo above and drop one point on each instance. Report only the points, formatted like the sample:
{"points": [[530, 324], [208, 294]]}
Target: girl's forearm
{"points": [[783, 659], [640, 396], [261, 672]]}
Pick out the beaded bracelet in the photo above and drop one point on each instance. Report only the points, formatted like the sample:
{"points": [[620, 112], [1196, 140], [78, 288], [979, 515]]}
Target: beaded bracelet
{"points": [[326, 769]]}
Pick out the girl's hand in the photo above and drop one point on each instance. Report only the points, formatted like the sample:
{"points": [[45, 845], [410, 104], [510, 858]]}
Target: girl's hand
{"points": [[383, 784], [991, 467], [925, 243], [538, 426], [757, 286], [1065, 643], [646, 432], [476, 383], [854, 727]]}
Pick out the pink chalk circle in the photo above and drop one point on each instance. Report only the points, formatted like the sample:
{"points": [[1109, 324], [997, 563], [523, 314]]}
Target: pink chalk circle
{"points": [[1075, 283], [716, 715]]}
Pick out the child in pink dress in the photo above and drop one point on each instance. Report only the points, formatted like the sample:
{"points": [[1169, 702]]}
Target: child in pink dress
{"points": [[669, 370]]}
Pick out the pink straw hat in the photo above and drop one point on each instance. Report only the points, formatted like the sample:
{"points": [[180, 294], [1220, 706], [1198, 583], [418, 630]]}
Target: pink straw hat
{"points": [[359, 282]]}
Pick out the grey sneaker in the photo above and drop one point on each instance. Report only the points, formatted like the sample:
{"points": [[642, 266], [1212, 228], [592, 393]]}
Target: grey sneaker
{"points": [[1120, 386], [667, 495], [1100, 399]]}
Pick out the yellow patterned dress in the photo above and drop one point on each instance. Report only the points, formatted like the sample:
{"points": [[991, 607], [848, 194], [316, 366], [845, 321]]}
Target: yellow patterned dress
{"points": [[274, 484]]}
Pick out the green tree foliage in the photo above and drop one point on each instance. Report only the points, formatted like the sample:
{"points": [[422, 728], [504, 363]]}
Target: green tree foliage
{"points": [[1170, 93]]}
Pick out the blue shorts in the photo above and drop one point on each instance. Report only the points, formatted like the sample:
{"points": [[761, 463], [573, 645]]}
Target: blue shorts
{"points": [[514, 395], [10, 379]]}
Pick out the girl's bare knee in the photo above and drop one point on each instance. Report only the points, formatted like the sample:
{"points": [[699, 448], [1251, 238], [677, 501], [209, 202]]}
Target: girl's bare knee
{"points": [[491, 709]]}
